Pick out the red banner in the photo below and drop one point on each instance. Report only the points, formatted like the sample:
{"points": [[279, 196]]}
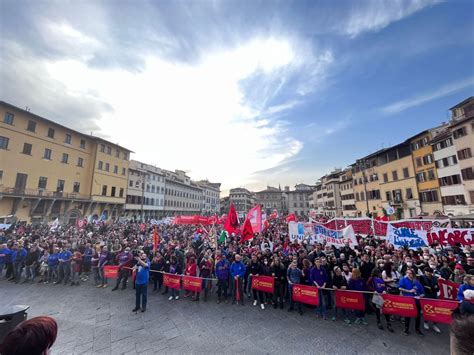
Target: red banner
{"points": [[438, 311], [451, 236], [111, 271], [191, 283], [194, 220], [263, 283], [350, 299], [172, 281], [448, 289], [306, 294], [399, 305]]}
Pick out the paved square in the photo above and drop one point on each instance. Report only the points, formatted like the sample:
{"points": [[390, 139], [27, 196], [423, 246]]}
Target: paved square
{"points": [[98, 321]]}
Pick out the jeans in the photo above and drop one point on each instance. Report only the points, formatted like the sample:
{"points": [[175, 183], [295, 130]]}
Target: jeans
{"points": [[96, 272], [64, 272], [140, 295], [18, 270], [222, 287], [279, 292], [10, 271], [174, 292], [248, 285], [52, 273], [157, 281], [418, 317], [30, 272], [345, 313], [102, 278], [1, 269], [322, 308], [123, 277]]}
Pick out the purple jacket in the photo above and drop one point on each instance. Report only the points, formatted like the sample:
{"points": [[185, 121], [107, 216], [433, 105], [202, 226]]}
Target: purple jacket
{"points": [[319, 276]]}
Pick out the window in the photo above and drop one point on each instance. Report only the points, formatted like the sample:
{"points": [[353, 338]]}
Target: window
{"points": [[1, 175], [460, 132], [47, 154], [453, 200], [80, 162], [50, 133], [449, 161], [67, 139], [42, 182], [431, 175], [107, 166], [385, 177], [428, 159], [394, 175], [60, 186], [31, 126], [397, 196], [100, 166], [125, 156], [8, 118], [130, 183], [65, 158], [115, 169], [419, 162], [76, 187], [450, 180], [388, 195], [468, 173], [464, 153], [124, 171], [117, 153], [421, 177], [82, 145], [406, 173], [27, 148], [102, 148], [104, 190], [429, 196], [121, 192], [362, 196], [471, 194], [409, 194], [443, 144], [112, 192], [109, 150]]}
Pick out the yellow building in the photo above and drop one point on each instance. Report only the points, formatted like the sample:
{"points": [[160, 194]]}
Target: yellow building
{"points": [[366, 186], [425, 173], [48, 170], [398, 186]]}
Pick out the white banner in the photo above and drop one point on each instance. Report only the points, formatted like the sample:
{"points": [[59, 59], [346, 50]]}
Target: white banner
{"points": [[336, 238], [406, 237]]}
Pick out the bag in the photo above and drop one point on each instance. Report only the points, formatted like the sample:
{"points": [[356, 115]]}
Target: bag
{"points": [[393, 290], [377, 300]]}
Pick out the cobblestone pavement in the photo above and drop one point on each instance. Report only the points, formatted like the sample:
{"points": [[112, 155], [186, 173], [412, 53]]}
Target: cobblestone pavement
{"points": [[98, 321]]}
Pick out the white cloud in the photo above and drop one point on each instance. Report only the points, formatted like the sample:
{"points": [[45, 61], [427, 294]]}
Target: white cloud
{"points": [[445, 90], [379, 14], [193, 117]]}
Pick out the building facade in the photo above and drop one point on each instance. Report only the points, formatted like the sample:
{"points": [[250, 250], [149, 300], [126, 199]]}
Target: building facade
{"points": [[182, 196], [298, 199], [211, 197], [398, 186], [146, 192], [242, 199], [332, 206], [56, 172], [270, 199], [462, 128], [346, 191]]}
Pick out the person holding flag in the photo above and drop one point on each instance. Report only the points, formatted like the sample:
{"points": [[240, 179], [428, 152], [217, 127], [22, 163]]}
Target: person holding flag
{"points": [[237, 272]]}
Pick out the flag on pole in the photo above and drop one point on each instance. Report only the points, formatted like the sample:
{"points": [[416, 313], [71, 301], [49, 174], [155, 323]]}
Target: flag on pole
{"points": [[255, 217], [247, 231], [55, 224], [155, 239], [291, 218], [231, 224], [223, 237]]}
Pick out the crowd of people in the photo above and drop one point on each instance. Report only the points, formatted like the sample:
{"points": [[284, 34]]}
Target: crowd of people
{"points": [[71, 256]]}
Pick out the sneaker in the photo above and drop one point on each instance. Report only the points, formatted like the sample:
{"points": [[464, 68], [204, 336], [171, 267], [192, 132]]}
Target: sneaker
{"points": [[419, 333], [99, 286], [357, 321], [105, 286], [347, 321], [135, 309], [406, 332], [426, 326], [170, 298], [364, 322], [333, 319], [46, 282], [436, 329], [255, 302], [176, 298], [262, 306]]}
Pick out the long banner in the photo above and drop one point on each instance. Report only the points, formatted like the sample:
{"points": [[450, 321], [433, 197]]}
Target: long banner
{"points": [[399, 305], [438, 311], [306, 294], [111, 271], [448, 289], [451, 236], [172, 281], [263, 283], [314, 233], [350, 299], [191, 283], [406, 237]]}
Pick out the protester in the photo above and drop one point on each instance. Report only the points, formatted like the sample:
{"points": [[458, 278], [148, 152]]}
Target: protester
{"points": [[319, 278], [141, 283], [356, 283], [339, 283], [430, 285], [294, 277], [411, 287], [237, 272]]}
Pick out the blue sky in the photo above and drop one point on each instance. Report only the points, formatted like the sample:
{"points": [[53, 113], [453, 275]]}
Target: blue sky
{"points": [[247, 93]]}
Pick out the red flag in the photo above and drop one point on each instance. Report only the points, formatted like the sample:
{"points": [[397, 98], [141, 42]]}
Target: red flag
{"points": [[291, 218], [263, 283], [399, 305], [155, 239], [247, 231], [350, 299], [448, 289], [306, 294], [438, 311], [231, 224], [191, 283]]}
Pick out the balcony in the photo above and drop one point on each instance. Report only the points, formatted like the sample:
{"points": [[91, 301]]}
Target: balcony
{"points": [[42, 193]]}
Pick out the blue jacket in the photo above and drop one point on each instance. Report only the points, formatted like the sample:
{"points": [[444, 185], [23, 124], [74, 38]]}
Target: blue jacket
{"points": [[143, 274], [65, 255], [407, 284], [53, 259], [88, 255], [20, 255], [319, 276], [238, 269], [5, 256], [463, 288], [222, 269]]}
